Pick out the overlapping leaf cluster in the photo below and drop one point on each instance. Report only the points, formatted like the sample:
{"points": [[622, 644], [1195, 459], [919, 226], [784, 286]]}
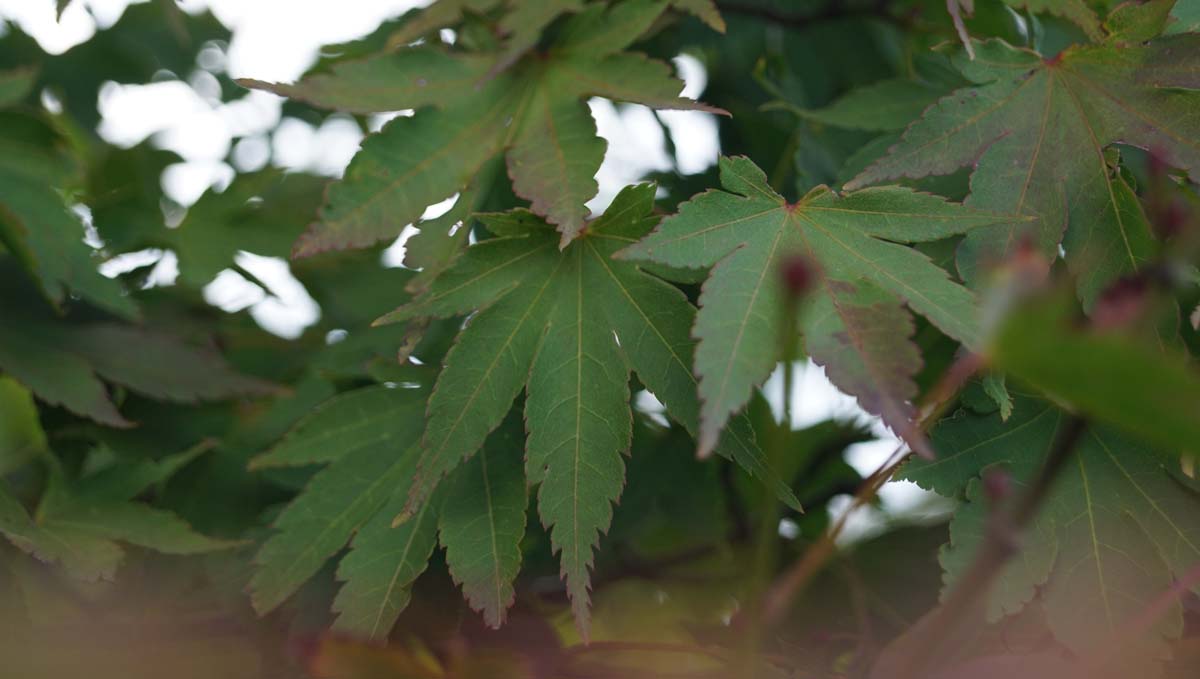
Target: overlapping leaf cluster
{"points": [[540, 356]]}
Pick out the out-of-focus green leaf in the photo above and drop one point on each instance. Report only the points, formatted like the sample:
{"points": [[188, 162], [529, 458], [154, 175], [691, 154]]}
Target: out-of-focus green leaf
{"points": [[368, 418], [886, 106], [15, 85], [21, 434], [37, 172], [79, 523], [532, 112], [1114, 529], [1150, 391], [63, 363]]}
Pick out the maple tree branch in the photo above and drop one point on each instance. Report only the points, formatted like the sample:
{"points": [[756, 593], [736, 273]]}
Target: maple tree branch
{"points": [[786, 588], [998, 546]]}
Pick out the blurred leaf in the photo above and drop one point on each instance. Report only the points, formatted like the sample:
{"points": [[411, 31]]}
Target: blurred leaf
{"points": [[78, 524], [15, 85], [1151, 391], [889, 105], [355, 420], [1076, 11], [1114, 529], [21, 434], [62, 364], [533, 111], [150, 38], [261, 213], [36, 221]]}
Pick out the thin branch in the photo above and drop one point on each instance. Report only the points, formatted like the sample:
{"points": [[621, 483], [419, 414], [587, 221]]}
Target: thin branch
{"points": [[786, 588], [999, 545]]}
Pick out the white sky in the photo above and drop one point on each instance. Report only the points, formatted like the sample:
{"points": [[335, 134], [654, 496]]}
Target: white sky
{"points": [[276, 40]]}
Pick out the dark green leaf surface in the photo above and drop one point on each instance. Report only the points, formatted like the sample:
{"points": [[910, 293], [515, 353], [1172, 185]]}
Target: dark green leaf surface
{"points": [[482, 522], [567, 327], [368, 418]]}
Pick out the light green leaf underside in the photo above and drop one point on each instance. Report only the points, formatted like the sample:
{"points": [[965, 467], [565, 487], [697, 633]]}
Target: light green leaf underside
{"points": [[747, 232]]}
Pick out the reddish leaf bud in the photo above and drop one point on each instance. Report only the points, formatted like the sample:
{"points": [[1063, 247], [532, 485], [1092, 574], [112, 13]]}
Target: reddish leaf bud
{"points": [[1121, 303], [997, 485], [798, 275]]}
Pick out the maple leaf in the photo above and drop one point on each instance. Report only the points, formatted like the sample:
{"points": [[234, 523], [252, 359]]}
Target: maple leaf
{"points": [[1147, 389], [79, 523], [1113, 531], [857, 326], [526, 19], [36, 222], [63, 363], [534, 112], [261, 212], [368, 438], [21, 433], [482, 521], [566, 326], [1038, 131]]}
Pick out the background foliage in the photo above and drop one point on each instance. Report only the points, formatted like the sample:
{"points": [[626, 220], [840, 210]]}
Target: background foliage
{"points": [[981, 223]]}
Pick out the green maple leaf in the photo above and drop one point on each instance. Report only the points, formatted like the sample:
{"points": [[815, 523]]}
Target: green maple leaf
{"points": [[856, 324], [567, 327], [526, 19], [482, 522], [260, 212], [36, 222], [1147, 389], [534, 113], [79, 523], [1038, 131], [368, 437], [1185, 17], [21, 433], [1113, 531], [62, 364]]}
